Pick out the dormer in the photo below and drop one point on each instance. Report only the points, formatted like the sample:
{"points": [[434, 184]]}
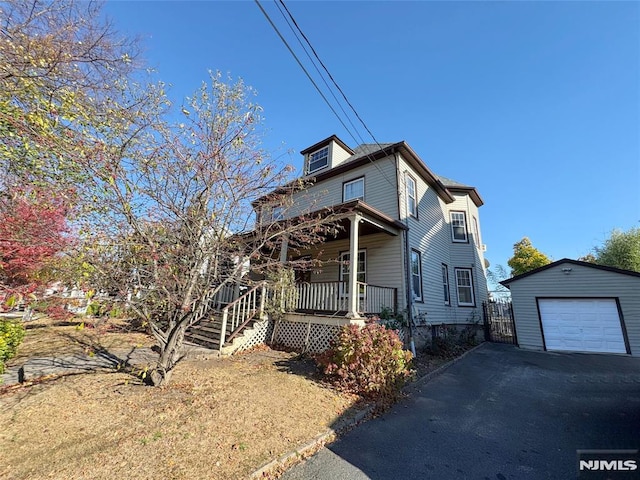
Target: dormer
{"points": [[325, 155]]}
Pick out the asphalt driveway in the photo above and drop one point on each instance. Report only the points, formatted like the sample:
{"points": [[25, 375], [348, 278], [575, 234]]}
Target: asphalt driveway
{"points": [[499, 413]]}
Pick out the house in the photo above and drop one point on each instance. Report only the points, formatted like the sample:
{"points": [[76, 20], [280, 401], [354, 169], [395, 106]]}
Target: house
{"points": [[416, 237], [577, 306]]}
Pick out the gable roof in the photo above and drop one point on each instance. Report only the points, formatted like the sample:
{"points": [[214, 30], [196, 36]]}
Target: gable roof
{"points": [[327, 141], [572, 262], [457, 187], [370, 152]]}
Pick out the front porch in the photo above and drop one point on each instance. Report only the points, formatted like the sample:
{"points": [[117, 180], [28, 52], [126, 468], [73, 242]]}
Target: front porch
{"points": [[356, 272]]}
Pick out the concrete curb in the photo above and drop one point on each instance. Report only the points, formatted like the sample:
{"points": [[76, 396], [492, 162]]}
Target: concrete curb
{"points": [[280, 464]]}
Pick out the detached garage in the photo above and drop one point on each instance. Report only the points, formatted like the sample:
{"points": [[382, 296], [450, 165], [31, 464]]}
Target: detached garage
{"points": [[575, 306]]}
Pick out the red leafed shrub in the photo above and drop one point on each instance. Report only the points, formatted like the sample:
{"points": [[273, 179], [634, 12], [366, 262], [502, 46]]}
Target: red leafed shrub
{"points": [[33, 230], [368, 361]]}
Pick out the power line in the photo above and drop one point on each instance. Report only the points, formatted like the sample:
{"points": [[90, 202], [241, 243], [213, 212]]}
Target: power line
{"points": [[315, 66], [368, 154], [302, 66], [330, 76]]}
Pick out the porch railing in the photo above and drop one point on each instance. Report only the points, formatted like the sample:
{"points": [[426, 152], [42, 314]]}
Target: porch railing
{"points": [[373, 299], [322, 296], [242, 310], [333, 297]]}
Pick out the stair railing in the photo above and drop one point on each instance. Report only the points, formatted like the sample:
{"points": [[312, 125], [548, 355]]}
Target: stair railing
{"points": [[241, 311]]}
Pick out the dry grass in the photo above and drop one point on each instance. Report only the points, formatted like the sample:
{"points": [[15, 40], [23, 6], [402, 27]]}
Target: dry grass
{"points": [[49, 338], [219, 419]]}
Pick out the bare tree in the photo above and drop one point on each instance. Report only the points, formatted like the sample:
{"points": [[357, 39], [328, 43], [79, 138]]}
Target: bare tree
{"points": [[178, 221]]}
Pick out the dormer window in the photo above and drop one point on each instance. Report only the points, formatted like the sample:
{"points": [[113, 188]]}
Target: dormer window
{"points": [[318, 159]]}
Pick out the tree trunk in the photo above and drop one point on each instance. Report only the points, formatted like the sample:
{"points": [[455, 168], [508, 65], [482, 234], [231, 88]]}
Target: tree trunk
{"points": [[169, 355]]}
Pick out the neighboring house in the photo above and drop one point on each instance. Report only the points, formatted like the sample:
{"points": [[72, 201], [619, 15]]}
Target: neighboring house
{"points": [[576, 306], [416, 237]]}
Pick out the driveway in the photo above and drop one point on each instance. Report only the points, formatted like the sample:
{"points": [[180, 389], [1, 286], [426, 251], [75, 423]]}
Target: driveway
{"points": [[499, 413]]}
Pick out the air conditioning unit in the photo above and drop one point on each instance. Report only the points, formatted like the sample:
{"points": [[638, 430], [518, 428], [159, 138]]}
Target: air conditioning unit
{"points": [[483, 247]]}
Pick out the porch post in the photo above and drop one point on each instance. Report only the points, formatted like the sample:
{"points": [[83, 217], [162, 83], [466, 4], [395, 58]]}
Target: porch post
{"points": [[284, 247], [354, 294]]}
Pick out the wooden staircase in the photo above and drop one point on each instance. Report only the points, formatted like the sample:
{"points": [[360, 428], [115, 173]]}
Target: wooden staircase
{"points": [[223, 331]]}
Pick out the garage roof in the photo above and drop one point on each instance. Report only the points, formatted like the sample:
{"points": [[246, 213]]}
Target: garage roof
{"points": [[573, 262]]}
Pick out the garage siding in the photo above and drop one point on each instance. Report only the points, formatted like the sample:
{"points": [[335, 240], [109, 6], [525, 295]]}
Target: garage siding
{"points": [[580, 282]]}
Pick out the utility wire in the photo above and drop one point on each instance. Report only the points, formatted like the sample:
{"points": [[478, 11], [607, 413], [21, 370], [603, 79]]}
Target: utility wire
{"points": [[295, 34], [330, 76], [368, 154], [302, 66]]}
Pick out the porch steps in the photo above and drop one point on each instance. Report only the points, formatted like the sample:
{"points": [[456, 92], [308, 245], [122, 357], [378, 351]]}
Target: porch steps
{"points": [[207, 334]]}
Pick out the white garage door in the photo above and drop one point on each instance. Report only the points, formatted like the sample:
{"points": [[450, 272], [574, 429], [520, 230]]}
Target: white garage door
{"points": [[581, 325]]}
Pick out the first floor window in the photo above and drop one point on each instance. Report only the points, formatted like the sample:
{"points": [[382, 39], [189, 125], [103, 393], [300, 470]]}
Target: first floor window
{"points": [[464, 284], [416, 275], [445, 284], [458, 227]]}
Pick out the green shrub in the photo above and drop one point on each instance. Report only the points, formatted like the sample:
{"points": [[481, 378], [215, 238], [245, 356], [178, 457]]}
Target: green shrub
{"points": [[11, 334], [391, 320], [368, 361]]}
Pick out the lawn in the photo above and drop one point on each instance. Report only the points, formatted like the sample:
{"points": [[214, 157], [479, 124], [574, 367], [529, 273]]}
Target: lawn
{"points": [[219, 418]]}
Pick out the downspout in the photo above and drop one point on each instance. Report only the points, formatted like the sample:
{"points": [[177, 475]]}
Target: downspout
{"points": [[408, 292], [407, 266]]}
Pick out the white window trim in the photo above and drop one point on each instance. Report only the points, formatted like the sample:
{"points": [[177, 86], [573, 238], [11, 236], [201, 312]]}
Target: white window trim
{"points": [[408, 178], [344, 189], [445, 284], [323, 166], [473, 295], [417, 298], [464, 219]]}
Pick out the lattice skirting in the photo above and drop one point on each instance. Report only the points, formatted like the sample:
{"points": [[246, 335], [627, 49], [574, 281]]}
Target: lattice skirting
{"points": [[306, 337], [259, 334]]}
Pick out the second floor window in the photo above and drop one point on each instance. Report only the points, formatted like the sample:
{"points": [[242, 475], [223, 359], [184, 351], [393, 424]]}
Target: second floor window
{"points": [[476, 232], [458, 227], [412, 198], [319, 159], [277, 213], [353, 190]]}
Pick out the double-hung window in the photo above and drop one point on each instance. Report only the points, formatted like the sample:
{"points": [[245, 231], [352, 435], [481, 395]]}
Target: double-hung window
{"points": [[416, 275], [412, 197], [318, 159], [445, 284], [353, 190], [476, 232], [458, 226], [464, 284]]}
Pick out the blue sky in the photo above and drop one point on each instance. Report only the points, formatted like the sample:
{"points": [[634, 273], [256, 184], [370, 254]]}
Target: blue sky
{"points": [[537, 104]]}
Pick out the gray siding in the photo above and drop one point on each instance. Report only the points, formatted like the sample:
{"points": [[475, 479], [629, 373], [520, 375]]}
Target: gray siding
{"points": [[430, 233], [582, 281], [379, 190]]}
